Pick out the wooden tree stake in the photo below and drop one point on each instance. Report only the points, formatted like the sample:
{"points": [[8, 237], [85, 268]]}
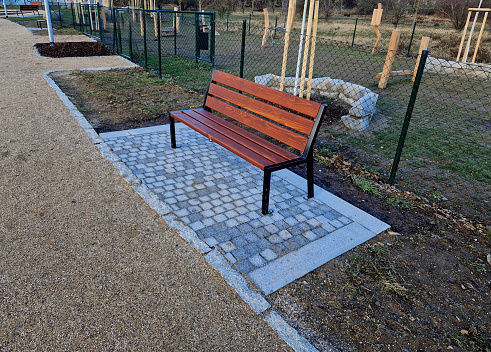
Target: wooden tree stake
{"points": [[103, 15], [390, 58], [376, 19], [155, 26], [289, 25], [266, 27], [424, 46], [480, 36], [175, 21], [312, 48]]}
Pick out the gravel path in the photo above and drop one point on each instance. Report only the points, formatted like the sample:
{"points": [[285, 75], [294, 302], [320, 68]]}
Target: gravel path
{"points": [[85, 264]]}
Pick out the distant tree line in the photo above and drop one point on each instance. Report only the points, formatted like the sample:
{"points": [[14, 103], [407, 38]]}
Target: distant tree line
{"points": [[455, 10]]}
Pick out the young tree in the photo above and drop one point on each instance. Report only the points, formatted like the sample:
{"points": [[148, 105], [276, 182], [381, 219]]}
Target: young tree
{"points": [[397, 9], [457, 11], [366, 7]]}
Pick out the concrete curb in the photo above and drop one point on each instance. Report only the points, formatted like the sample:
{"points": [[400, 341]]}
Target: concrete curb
{"points": [[255, 300], [289, 334]]}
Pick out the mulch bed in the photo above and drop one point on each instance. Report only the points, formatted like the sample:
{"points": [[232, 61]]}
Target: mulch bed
{"points": [[72, 49]]}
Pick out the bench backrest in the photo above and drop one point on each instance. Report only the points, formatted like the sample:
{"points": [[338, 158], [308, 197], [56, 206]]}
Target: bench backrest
{"points": [[267, 110], [28, 7]]}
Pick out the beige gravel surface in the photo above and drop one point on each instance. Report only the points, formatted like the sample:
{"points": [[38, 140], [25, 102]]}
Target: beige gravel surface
{"points": [[85, 264]]}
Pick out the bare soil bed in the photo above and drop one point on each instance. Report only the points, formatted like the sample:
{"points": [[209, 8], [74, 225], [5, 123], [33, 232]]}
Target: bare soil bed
{"points": [[72, 49], [423, 286]]}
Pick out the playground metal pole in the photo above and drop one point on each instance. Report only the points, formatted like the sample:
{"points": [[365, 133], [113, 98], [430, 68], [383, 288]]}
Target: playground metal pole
{"points": [[407, 119], [464, 59], [300, 47], [5, 8], [48, 22]]}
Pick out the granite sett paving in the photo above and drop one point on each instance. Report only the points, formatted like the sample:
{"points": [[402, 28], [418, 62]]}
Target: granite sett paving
{"points": [[218, 195]]}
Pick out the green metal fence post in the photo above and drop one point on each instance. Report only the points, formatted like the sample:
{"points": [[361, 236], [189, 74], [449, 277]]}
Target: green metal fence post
{"points": [[114, 28], [250, 20], [120, 46], [80, 17], [242, 48], [73, 16], [145, 51], [159, 44], [130, 39], [354, 32], [89, 18], [407, 119], [227, 20], [101, 25], [59, 15], [196, 41], [411, 40], [212, 40]]}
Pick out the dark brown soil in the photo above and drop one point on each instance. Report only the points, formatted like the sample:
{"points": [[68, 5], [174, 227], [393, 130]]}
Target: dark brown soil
{"points": [[423, 286], [73, 49]]}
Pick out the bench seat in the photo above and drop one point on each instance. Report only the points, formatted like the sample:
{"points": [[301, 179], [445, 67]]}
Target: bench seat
{"points": [[259, 152]]}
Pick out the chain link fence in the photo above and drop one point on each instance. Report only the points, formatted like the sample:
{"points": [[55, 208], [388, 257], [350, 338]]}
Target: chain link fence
{"points": [[371, 95], [444, 38]]}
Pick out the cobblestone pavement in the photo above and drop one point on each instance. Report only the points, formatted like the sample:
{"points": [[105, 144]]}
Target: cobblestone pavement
{"points": [[219, 196]]}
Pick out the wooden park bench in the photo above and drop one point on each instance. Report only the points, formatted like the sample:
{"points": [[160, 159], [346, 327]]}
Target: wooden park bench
{"points": [[28, 8], [291, 120]]}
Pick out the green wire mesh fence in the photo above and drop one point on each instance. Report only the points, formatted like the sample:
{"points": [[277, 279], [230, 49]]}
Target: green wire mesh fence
{"points": [[372, 99]]}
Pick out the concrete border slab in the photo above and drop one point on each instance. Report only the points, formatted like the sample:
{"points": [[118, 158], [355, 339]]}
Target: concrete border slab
{"points": [[294, 265]]}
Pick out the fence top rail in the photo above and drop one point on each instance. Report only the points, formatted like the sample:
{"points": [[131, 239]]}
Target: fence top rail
{"points": [[206, 13]]}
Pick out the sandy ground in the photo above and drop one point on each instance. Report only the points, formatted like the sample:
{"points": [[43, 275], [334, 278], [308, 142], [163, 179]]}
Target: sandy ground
{"points": [[85, 264]]}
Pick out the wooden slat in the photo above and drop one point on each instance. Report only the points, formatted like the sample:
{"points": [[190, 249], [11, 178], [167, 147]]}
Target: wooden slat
{"points": [[285, 154], [274, 96], [273, 113], [235, 147], [288, 137], [238, 134]]}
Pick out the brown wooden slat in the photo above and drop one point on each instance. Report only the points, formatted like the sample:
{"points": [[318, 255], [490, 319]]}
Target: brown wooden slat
{"points": [[285, 154], [236, 148], [298, 123], [286, 100], [279, 133], [206, 118]]}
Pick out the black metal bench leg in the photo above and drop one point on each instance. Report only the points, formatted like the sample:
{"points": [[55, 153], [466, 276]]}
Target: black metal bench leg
{"points": [[266, 186], [172, 132], [310, 175]]}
